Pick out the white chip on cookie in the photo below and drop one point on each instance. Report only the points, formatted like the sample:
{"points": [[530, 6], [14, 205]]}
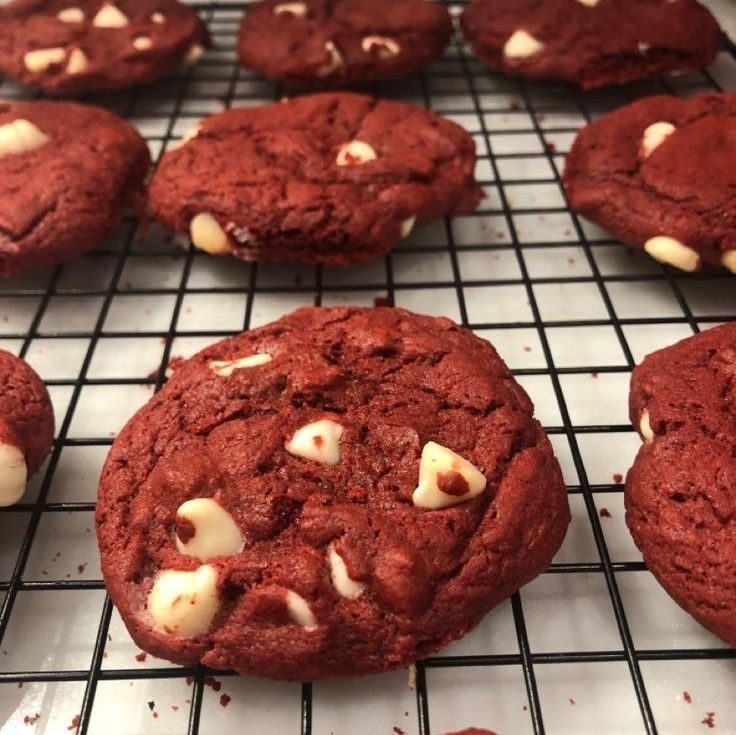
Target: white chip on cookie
{"points": [[645, 428], [446, 478], [195, 53], [158, 18], [183, 603], [206, 234], [13, 473], [226, 368], [77, 61], [334, 63], [299, 611], [204, 529], [354, 153], [142, 43], [344, 584], [20, 136], [71, 15], [589, 3], [41, 59], [298, 10], [521, 45], [407, 226], [110, 16], [728, 260], [383, 46], [653, 137], [319, 441], [668, 250]]}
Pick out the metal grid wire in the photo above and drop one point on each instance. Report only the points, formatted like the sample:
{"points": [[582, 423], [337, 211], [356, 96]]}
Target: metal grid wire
{"points": [[523, 269]]}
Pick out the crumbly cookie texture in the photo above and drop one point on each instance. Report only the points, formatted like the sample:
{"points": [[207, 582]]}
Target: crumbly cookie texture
{"points": [[267, 519], [335, 43], [74, 46], [659, 174], [26, 426], [61, 189], [681, 490], [591, 43], [328, 178]]}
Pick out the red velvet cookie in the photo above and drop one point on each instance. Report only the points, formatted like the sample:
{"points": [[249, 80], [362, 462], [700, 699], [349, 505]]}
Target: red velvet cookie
{"points": [[71, 46], [681, 491], [67, 172], [591, 42], [328, 178], [26, 426], [327, 43], [659, 174], [342, 491]]}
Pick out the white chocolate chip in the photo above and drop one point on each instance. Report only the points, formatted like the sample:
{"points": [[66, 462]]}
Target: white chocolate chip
{"points": [[441, 466], [346, 586], [109, 16], [189, 135], [142, 43], [729, 260], [299, 610], [42, 58], [334, 63], [215, 533], [227, 367], [20, 136], [385, 47], [13, 473], [355, 153], [673, 252], [184, 603], [319, 441], [521, 45], [71, 15], [195, 53], [158, 18], [407, 226], [645, 428], [78, 62], [589, 3], [643, 47], [206, 234], [298, 10], [654, 136]]}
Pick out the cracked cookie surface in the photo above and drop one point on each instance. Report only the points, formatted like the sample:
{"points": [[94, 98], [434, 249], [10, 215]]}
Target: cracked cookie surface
{"points": [[660, 174], [327, 43], [681, 490], [329, 178], [72, 46], [591, 42], [62, 189], [295, 455]]}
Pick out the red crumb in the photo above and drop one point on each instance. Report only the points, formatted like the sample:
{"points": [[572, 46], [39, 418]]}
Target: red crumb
{"points": [[382, 301], [551, 147], [686, 696], [514, 105], [572, 701], [224, 700], [155, 715], [20, 685], [398, 731], [527, 348], [175, 707], [210, 681], [618, 478], [75, 723], [32, 719], [709, 720], [81, 568], [604, 513], [594, 375], [141, 656], [190, 680]]}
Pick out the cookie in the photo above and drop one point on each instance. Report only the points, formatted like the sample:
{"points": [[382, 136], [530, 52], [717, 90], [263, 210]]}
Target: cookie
{"points": [[681, 490], [343, 491], [659, 174], [26, 426], [592, 43], [329, 178], [71, 46], [61, 188], [327, 43]]}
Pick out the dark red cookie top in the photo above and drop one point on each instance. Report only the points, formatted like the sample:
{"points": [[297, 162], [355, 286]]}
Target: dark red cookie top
{"points": [[316, 448], [660, 174], [591, 42], [61, 188], [329, 178], [472, 731], [681, 491], [26, 425], [328, 43], [71, 46]]}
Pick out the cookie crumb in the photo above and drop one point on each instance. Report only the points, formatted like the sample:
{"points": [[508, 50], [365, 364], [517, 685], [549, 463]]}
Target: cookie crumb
{"points": [[686, 696], [151, 705], [225, 700], [571, 700], [175, 707], [594, 375], [550, 147], [75, 723], [81, 568], [32, 719], [709, 720], [398, 730], [141, 656], [527, 348], [412, 677], [618, 478], [210, 681], [604, 513]]}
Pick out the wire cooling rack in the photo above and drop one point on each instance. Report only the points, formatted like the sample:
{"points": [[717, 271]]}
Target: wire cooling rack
{"points": [[592, 646]]}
